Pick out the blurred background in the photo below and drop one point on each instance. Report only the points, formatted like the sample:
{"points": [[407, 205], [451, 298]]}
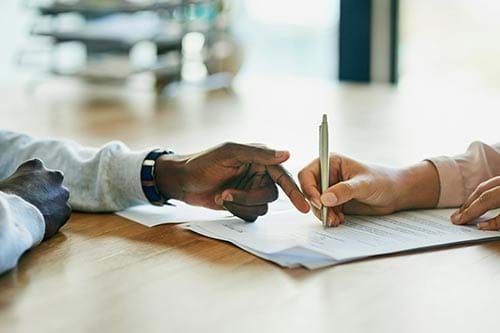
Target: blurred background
{"points": [[191, 74]]}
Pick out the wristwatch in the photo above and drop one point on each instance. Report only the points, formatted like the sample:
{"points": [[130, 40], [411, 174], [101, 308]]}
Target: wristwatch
{"points": [[148, 182]]}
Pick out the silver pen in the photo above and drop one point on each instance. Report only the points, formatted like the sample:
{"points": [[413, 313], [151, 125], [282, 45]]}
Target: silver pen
{"points": [[324, 165]]}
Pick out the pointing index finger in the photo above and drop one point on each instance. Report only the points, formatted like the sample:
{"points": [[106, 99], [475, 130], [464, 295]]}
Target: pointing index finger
{"points": [[281, 177], [309, 183]]}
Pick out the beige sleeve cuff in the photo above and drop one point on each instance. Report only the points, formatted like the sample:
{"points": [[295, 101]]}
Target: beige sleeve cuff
{"points": [[451, 182], [460, 175]]}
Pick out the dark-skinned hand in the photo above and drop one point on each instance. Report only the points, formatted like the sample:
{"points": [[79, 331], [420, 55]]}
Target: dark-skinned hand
{"points": [[42, 188], [239, 178]]}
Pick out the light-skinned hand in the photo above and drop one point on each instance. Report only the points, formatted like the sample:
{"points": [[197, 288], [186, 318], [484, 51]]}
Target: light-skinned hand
{"points": [[365, 189], [485, 197]]}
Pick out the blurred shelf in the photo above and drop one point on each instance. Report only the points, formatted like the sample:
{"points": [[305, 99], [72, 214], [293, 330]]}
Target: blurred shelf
{"points": [[108, 35], [103, 8]]}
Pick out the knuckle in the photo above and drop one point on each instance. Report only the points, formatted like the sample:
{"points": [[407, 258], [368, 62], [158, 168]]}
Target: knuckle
{"points": [[481, 187], [475, 145], [336, 160], [492, 225], [274, 194], [485, 198], [232, 148], [32, 164], [229, 145], [57, 176], [64, 220], [280, 179], [37, 163], [474, 195], [250, 218], [347, 189], [69, 210], [65, 194]]}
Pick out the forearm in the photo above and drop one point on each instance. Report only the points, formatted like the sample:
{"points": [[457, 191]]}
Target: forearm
{"points": [[419, 186], [104, 179], [21, 227]]}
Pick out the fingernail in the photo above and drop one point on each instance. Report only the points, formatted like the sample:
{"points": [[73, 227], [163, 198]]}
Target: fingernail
{"points": [[316, 203], [329, 199], [281, 153], [218, 200], [228, 197], [456, 218], [482, 225]]}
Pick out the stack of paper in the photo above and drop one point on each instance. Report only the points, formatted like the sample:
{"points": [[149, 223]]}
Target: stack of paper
{"points": [[291, 239]]}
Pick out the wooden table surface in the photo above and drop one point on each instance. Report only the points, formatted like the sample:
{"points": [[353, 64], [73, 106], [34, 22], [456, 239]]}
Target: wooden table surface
{"points": [[103, 273]]}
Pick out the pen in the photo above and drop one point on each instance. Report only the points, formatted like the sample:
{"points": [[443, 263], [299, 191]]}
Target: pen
{"points": [[324, 164]]}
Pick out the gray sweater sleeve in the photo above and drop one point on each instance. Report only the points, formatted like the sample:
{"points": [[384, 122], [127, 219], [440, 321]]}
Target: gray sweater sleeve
{"points": [[102, 179], [21, 227]]}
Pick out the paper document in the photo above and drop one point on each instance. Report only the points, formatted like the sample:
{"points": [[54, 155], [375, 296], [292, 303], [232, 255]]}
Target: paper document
{"points": [[181, 212], [292, 239]]}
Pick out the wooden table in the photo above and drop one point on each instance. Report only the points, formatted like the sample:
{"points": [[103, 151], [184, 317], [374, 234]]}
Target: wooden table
{"points": [[103, 273]]}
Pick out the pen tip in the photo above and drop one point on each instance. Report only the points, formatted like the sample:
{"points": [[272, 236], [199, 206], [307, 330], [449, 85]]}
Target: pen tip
{"points": [[325, 119]]}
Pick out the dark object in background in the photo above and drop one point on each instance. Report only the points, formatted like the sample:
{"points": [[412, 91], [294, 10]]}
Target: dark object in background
{"points": [[368, 40]]}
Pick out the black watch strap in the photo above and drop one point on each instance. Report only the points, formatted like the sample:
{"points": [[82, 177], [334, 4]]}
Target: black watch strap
{"points": [[148, 181]]}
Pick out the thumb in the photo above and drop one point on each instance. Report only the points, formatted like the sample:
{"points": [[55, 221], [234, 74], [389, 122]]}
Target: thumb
{"points": [[341, 193]]}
